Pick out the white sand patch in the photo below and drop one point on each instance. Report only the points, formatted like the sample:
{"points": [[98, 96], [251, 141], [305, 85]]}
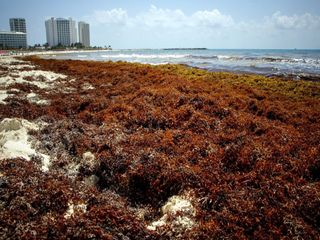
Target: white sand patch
{"points": [[14, 138], [91, 180], [31, 95], [9, 80], [15, 141], [34, 98], [21, 72], [10, 61], [41, 79], [3, 96], [88, 157], [68, 90], [75, 208], [46, 75], [45, 163], [14, 90], [18, 74], [6, 81], [178, 214], [73, 169], [20, 66], [87, 86], [88, 160], [15, 64]]}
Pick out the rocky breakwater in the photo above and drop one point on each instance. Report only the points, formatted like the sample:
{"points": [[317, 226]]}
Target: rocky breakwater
{"points": [[130, 151]]}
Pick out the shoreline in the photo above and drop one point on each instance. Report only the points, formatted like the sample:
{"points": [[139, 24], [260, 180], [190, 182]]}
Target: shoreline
{"points": [[263, 65], [293, 77], [113, 149], [49, 52], [287, 64]]}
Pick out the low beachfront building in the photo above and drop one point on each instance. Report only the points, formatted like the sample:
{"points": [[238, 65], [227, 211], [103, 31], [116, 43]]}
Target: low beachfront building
{"points": [[9, 40]]}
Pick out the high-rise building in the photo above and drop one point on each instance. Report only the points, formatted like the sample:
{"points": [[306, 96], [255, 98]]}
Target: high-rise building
{"points": [[84, 33], [51, 32], [73, 31], [61, 31], [18, 25]]}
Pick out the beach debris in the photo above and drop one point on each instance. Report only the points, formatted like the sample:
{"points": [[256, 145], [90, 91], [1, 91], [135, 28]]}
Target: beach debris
{"points": [[3, 96], [34, 98], [87, 86]]}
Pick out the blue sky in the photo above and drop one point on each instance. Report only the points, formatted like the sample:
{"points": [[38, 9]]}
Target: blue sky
{"points": [[168, 23]]}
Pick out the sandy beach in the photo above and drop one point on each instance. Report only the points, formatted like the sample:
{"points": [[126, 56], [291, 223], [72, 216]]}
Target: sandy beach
{"points": [[116, 150]]}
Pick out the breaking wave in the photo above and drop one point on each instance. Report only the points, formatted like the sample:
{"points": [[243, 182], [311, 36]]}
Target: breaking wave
{"points": [[146, 56]]}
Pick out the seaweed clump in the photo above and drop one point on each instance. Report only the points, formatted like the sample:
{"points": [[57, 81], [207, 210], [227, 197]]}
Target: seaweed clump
{"points": [[136, 137]]}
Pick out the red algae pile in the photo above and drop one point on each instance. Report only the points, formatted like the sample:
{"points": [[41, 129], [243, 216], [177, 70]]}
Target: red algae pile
{"points": [[160, 152]]}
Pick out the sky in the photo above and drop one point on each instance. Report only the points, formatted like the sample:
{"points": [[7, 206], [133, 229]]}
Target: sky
{"points": [[272, 24]]}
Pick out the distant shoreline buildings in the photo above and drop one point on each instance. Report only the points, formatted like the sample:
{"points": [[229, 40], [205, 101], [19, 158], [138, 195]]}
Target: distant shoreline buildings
{"points": [[60, 32], [63, 32], [16, 37]]}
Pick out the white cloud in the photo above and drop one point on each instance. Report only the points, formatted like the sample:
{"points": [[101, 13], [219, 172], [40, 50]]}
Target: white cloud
{"points": [[156, 17], [116, 16], [211, 19], [165, 18], [295, 21]]}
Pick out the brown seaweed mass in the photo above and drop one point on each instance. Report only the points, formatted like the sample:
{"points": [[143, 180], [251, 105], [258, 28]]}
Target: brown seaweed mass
{"points": [[248, 147]]}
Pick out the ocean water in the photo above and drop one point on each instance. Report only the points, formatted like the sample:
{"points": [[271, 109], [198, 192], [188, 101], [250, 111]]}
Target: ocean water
{"points": [[298, 63]]}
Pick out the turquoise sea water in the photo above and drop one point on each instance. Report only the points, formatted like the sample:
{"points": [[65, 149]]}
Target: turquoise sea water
{"points": [[267, 62]]}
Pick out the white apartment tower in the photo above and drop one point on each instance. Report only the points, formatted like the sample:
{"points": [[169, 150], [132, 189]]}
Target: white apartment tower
{"points": [[61, 31], [51, 32], [84, 33]]}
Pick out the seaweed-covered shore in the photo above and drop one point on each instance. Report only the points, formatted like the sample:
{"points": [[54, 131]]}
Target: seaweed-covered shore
{"points": [[103, 150]]}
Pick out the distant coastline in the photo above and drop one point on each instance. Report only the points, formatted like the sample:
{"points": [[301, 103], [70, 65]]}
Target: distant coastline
{"points": [[175, 49]]}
